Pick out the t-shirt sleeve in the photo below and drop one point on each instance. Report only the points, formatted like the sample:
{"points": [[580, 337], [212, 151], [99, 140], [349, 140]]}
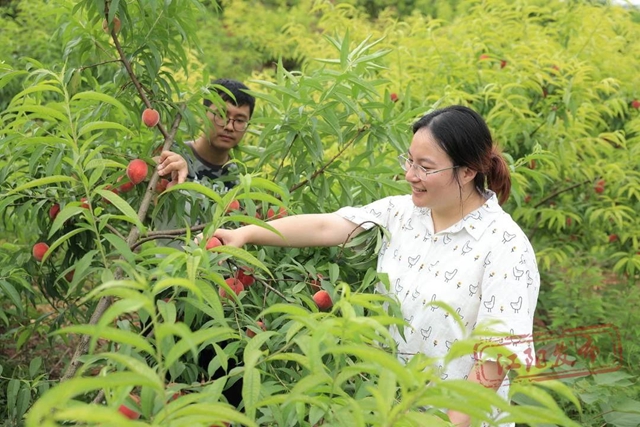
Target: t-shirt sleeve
{"points": [[368, 216], [510, 287]]}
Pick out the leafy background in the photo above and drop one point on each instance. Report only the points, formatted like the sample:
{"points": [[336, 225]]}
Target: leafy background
{"points": [[556, 82]]}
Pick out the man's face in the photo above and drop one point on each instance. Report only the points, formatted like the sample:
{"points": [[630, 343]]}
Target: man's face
{"points": [[222, 132]]}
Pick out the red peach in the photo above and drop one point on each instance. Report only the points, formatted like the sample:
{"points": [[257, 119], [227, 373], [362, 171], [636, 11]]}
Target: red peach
{"points": [[39, 249], [54, 211], [246, 279], [316, 284], [129, 413], [260, 324], [116, 25], [599, 187], [127, 186], [150, 117], [635, 104], [323, 300], [271, 214], [175, 394], [235, 285], [137, 171], [162, 185], [213, 242], [233, 206], [394, 97]]}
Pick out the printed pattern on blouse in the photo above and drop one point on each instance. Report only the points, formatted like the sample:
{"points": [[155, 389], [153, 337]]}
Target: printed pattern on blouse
{"points": [[483, 267]]}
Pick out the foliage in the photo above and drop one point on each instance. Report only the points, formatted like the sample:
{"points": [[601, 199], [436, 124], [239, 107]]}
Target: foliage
{"points": [[325, 135]]}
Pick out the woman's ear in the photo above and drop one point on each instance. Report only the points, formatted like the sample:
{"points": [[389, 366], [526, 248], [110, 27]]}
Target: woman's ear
{"points": [[467, 174]]}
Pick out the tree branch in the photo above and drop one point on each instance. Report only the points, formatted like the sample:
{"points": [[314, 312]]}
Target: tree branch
{"points": [[105, 302], [333, 159], [84, 67], [560, 191], [176, 232]]}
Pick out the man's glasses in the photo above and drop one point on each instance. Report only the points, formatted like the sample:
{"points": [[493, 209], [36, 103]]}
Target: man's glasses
{"points": [[239, 125], [421, 172]]}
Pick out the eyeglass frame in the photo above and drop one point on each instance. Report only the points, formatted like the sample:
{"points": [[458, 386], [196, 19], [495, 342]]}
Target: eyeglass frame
{"points": [[223, 121], [404, 161]]}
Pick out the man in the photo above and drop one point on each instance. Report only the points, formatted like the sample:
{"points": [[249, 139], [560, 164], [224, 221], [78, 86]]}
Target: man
{"points": [[206, 160]]}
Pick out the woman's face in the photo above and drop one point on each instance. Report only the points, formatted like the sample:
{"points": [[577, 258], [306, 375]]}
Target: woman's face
{"points": [[438, 190]]}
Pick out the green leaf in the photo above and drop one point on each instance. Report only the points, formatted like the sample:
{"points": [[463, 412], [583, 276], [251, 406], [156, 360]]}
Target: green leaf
{"points": [[8, 290], [111, 334], [45, 113], [60, 241], [93, 126], [136, 366], [59, 396], [47, 140], [293, 310], [251, 391], [192, 340], [198, 188], [243, 255], [211, 297], [43, 87], [41, 182], [175, 281], [67, 212], [123, 207], [121, 247], [100, 97], [104, 163]]}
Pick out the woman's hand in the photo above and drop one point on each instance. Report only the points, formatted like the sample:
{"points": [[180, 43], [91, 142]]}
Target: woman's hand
{"points": [[231, 237], [227, 237], [459, 419]]}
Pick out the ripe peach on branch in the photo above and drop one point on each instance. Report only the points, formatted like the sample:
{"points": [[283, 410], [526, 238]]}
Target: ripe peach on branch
{"points": [[150, 117], [235, 285], [115, 24], [323, 300], [137, 171], [39, 249]]}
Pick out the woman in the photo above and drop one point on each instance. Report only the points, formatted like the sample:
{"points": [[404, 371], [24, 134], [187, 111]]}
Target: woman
{"points": [[450, 241]]}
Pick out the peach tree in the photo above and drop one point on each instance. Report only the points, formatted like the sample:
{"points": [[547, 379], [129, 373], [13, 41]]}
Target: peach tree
{"points": [[143, 316]]}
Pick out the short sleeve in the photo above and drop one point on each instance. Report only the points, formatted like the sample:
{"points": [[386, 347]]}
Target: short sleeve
{"points": [[510, 287], [368, 216]]}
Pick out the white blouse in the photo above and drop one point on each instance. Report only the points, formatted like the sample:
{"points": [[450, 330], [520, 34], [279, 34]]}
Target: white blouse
{"points": [[483, 267]]}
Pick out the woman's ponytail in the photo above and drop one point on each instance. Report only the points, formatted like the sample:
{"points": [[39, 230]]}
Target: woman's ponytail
{"points": [[498, 176]]}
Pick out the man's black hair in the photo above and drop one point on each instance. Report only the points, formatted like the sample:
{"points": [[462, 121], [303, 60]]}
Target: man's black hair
{"points": [[237, 89]]}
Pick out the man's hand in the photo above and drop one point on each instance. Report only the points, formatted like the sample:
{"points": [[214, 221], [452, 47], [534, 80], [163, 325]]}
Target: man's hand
{"points": [[174, 164]]}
